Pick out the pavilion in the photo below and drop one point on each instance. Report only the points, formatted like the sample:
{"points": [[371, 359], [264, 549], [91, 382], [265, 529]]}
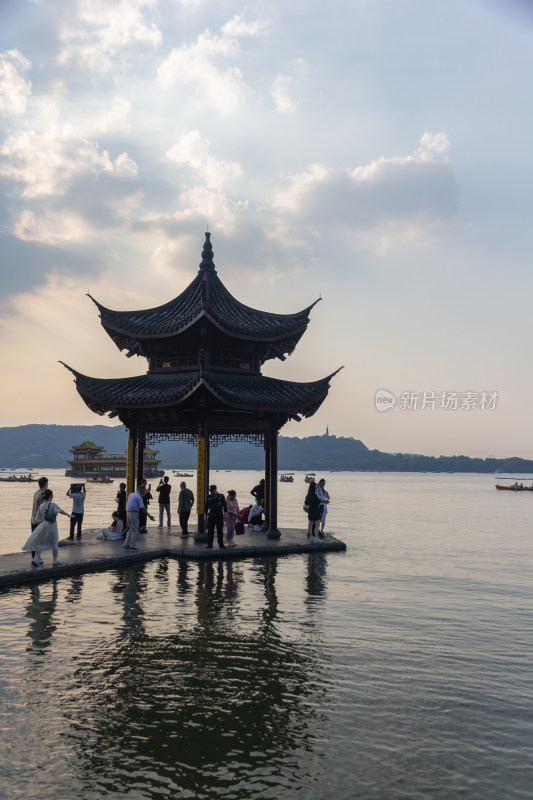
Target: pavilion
{"points": [[204, 385]]}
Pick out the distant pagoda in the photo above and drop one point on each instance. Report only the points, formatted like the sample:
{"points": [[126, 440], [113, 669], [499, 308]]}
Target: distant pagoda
{"points": [[205, 351]]}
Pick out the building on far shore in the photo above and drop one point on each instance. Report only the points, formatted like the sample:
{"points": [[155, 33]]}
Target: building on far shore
{"points": [[91, 461]]}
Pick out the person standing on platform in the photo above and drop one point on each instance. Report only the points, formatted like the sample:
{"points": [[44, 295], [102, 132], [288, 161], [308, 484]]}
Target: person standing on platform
{"points": [[134, 504], [163, 490], [259, 490], [231, 517], [38, 498], [77, 495], [121, 504], [185, 504], [143, 513], [45, 536], [323, 496], [314, 512], [215, 508]]}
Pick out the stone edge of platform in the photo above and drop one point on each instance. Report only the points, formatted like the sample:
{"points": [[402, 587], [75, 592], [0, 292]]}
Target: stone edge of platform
{"points": [[99, 564]]}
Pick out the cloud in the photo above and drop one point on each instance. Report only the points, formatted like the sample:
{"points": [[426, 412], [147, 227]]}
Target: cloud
{"points": [[404, 196], [193, 151], [94, 31], [281, 92], [45, 164], [14, 87], [198, 65]]}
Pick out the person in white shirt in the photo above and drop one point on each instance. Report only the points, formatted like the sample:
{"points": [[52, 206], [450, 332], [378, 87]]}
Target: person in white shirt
{"points": [[323, 496], [255, 519]]}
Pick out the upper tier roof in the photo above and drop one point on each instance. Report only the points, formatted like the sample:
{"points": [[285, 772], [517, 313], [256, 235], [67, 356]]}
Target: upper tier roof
{"points": [[205, 297]]}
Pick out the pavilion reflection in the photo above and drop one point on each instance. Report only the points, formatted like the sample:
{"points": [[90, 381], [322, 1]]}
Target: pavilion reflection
{"points": [[224, 689], [131, 585], [316, 573], [40, 612]]}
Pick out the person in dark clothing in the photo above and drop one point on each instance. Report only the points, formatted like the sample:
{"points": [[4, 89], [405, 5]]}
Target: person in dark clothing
{"points": [[163, 491], [259, 490], [143, 512], [121, 504], [314, 512], [185, 504], [215, 508]]}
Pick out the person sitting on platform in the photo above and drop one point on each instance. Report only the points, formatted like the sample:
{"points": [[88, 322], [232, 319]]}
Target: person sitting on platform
{"points": [[255, 519], [114, 532]]}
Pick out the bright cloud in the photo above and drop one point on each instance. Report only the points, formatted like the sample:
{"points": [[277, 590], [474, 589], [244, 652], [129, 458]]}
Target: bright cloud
{"points": [[281, 90], [45, 164], [414, 192], [15, 88], [193, 151], [95, 30], [201, 65]]}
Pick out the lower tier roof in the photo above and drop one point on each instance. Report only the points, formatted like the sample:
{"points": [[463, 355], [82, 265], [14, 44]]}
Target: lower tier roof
{"points": [[239, 392]]}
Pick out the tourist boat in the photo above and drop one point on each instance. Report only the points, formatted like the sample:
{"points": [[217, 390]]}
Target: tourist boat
{"points": [[100, 479], [515, 486], [17, 477], [91, 461], [310, 477], [286, 479], [181, 474]]}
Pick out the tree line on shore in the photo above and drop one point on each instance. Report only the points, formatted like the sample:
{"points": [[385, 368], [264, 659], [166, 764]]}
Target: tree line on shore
{"points": [[40, 446]]}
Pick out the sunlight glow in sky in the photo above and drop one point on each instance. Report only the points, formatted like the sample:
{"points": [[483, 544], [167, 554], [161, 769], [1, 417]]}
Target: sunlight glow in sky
{"points": [[371, 152]]}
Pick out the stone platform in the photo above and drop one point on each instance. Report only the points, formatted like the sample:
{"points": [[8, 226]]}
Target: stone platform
{"points": [[91, 554]]}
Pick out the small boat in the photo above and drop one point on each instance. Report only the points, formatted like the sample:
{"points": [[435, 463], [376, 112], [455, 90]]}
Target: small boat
{"points": [[181, 474], [19, 478], [310, 477], [286, 479], [513, 488], [100, 479]]}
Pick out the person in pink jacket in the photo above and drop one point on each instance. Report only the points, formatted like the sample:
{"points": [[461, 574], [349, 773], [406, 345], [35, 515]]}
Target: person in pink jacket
{"points": [[231, 516]]}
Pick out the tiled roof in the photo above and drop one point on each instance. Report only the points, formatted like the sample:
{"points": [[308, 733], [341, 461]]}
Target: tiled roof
{"points": [[246, 392], [206, 296]]}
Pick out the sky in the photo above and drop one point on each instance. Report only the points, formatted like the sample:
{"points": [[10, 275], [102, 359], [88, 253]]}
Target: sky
{"points": [[373, 153]]}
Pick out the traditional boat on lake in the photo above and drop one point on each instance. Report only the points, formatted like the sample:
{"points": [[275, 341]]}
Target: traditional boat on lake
{"points": [[16, 477], [286, 479], [515, 487], [92, 461], [310, 477]]}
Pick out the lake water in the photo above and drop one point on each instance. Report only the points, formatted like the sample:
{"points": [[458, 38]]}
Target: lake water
{"points": [[402, 668]]}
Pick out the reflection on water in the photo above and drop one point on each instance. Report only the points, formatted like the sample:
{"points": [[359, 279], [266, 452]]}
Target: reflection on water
{"points": [[401, 669], [219, 704]]}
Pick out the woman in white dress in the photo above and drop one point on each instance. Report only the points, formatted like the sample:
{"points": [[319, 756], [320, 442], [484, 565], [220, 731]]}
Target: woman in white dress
{"points": [[45, 536]]}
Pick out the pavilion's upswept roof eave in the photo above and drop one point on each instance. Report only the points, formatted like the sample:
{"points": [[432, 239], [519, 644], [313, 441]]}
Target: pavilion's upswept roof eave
{"points": [[239, 392]]}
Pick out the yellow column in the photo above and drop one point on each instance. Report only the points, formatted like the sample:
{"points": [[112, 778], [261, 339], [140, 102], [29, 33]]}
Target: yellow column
{"points": [[200, 476]]}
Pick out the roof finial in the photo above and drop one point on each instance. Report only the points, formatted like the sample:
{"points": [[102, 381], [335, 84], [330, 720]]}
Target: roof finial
{"points": [[207, 254]]}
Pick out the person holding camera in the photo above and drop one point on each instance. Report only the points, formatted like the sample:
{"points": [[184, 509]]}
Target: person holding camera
{"points": [[163, 491], [77, 494]]}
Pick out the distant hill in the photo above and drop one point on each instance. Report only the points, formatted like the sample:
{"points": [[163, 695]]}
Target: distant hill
{"points": [[41, 446]]}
